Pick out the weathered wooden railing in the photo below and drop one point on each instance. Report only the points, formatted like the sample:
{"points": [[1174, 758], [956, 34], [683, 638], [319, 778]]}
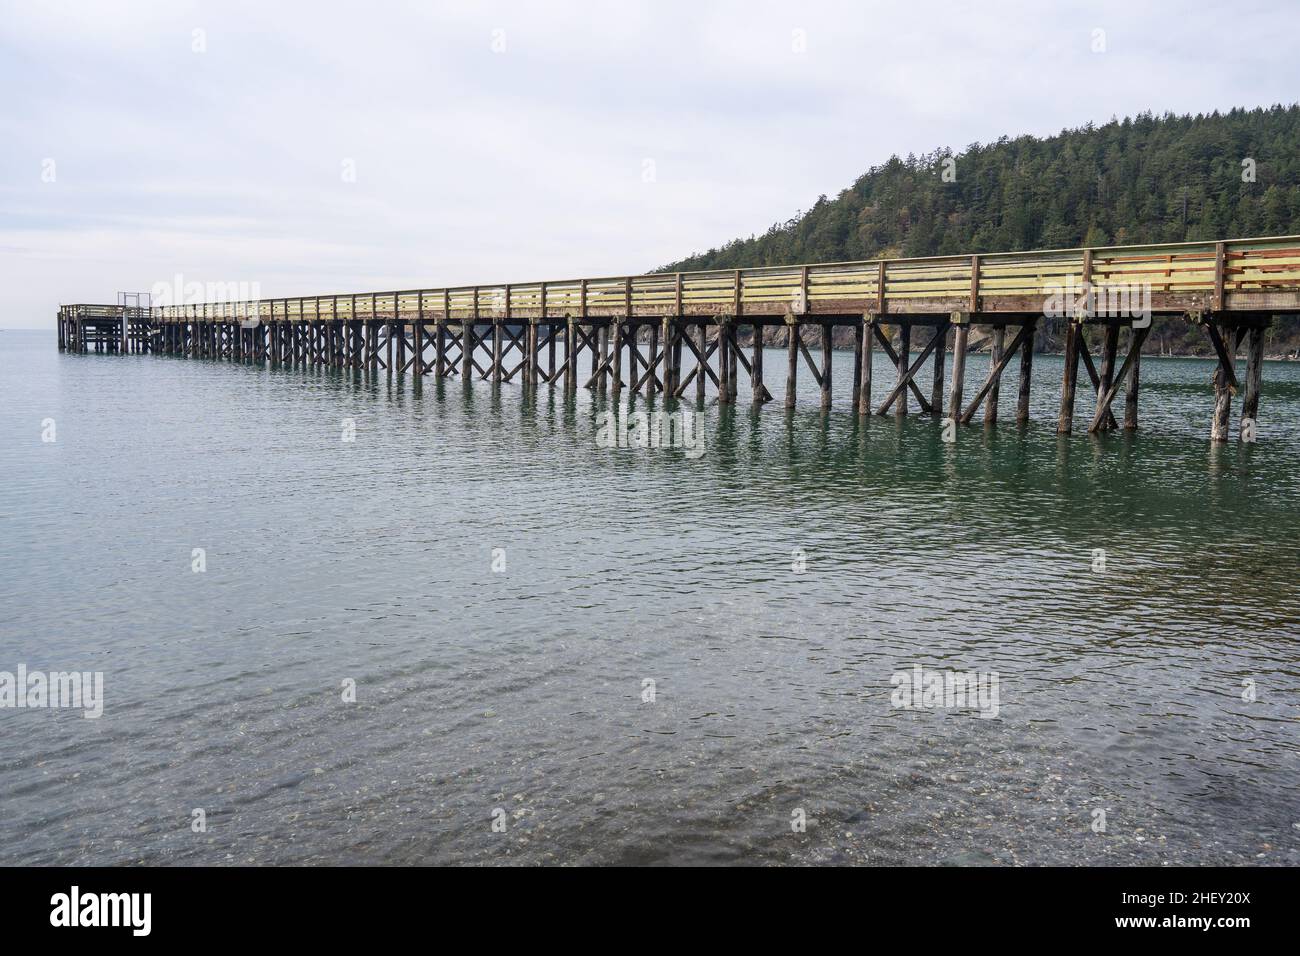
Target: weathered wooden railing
{"points": [[1244, 274]]}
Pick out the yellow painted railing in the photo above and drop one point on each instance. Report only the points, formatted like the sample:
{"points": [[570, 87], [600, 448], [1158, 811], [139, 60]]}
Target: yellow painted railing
{"points": [[1228, 275]]}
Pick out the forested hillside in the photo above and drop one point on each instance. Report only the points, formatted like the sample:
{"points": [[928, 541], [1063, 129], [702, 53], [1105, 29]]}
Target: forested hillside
{"points": [[1145, 179]]}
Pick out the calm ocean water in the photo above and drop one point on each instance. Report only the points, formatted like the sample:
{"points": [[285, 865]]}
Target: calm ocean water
{"points": [[518, 696]]}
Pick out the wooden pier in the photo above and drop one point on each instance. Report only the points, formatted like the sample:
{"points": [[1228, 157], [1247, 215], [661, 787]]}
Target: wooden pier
{"points": [[578, 332]]}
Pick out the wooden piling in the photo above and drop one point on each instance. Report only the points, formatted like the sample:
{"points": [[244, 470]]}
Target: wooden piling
{"points": [[631, 339], [865, 342], [440, 334], [529, 358], [995, 356], [701, 375], [616, 357], [599, 361], [955, 388], [857, 363], [792, 361], [994, 376], [1106, 374], [570, 358], [724, 360], [496, 353], [534, 348], [1253, 383], [904, 359], [1026, 371], [936, 387], [1065, 422], [756, 364], [675, 332], [1131, 390], [653, 370], [1102, 418], [1224, 375], [678, 330], [826, 366], [733, 380], [388, 347], [908, 380], [467, 351], [666, 334]]}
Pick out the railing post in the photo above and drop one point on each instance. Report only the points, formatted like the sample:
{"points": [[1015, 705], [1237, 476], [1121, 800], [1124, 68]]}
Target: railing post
{"points": [[1220, 268]]}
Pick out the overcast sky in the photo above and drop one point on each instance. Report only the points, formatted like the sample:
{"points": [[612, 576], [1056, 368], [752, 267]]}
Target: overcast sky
{"points": [[314, 147]]}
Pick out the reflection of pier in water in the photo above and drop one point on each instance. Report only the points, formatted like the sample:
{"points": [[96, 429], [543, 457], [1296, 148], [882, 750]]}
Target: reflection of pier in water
{"points": [[684, 333]]}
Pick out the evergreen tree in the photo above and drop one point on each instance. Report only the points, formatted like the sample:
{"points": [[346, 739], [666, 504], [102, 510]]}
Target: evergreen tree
{"points": [[1143, 179], [1132, 181]]}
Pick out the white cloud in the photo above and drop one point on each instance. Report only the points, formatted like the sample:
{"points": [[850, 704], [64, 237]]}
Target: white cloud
{"points": [[475, 166]]}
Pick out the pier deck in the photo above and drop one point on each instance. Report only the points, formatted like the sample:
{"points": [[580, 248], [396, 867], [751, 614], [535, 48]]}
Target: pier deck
{"points": [[497, 332]]}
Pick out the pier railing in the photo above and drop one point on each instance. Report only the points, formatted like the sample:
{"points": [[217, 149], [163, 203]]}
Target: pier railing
{"points": [[1239, 275]]}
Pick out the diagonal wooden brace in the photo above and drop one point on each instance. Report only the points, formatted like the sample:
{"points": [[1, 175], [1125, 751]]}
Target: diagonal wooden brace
{"points": [[1225, 360], [703, 364], [897, 390], [749, 370], [995, 373], [926, 407], [1103, 406], [1085, 353]]}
